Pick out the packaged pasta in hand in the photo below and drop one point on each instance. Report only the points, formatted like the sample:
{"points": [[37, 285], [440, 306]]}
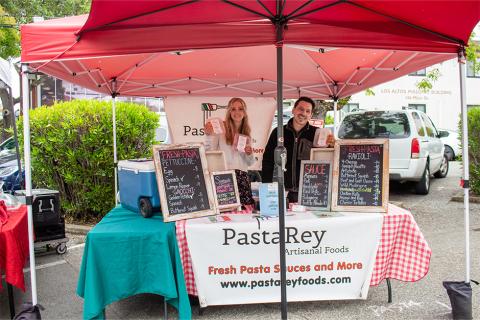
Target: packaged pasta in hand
{"points": [[214, 126], [242, 143]]}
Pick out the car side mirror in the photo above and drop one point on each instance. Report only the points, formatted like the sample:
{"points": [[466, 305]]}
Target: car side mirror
{"points": [[443, 133]]}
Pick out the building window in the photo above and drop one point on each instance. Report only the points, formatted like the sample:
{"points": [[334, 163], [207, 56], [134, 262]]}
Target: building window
{"points": [[421, 107], [349, 107], [471, 106], [421, 72], [472, 69]]}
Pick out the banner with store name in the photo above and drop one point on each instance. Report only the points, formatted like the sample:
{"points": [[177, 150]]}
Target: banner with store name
{"points": [[329, 256], [187, 117]]}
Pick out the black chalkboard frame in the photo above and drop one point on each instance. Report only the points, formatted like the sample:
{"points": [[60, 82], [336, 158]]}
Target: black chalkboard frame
{"points": [[227, 207], [167, 216], [384, 176], [329, 191]]}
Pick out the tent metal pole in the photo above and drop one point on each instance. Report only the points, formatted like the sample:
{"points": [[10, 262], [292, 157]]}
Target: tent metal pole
{"points": [[280, 162], [335, 108], [28, 178], [335, 115], [465, 160], [115, 162]]}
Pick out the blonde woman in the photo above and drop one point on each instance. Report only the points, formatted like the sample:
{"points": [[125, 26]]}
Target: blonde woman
{"points": [[236, 122]]}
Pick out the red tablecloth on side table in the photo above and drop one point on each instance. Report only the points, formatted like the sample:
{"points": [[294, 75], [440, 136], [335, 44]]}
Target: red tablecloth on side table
{"points": [[403, 253], [14, 247]]}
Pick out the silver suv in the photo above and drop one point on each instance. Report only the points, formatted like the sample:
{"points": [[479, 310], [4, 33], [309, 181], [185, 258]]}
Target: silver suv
{"points": [[416, 150]]}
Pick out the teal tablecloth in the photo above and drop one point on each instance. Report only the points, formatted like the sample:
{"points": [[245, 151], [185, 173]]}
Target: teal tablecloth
{"points": [[126, 254]]}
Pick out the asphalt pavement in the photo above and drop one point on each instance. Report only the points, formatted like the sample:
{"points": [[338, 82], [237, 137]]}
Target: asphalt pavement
{"points": [[439, 218]]}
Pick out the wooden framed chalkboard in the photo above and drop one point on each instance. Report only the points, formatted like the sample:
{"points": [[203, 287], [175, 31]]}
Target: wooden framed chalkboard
{"points": [[361, 175], [315, 184], [183, 181], [225, 190]]}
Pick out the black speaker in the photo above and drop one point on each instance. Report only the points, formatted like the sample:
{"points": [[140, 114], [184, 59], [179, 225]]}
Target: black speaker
{"points": [[47, 221]]}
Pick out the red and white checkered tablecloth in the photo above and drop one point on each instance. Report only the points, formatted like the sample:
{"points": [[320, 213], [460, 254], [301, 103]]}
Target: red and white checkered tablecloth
{"points": [[403, 253]]}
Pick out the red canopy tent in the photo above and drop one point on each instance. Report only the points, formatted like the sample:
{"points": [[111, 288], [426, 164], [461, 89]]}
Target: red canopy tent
{"points": [[248, 71], [126, 27], [115, 50]]}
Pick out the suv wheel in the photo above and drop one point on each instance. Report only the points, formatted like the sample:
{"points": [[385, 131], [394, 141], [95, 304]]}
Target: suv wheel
{"points": [[449, 153], [442, 172], [423, 186]]}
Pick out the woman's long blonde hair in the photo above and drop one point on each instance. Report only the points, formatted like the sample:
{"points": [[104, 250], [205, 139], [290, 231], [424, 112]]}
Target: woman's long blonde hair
{"points": [[230, 126]]}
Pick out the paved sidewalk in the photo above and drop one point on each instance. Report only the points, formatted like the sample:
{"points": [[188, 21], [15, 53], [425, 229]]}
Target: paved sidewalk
{"points": [[439, 218]]}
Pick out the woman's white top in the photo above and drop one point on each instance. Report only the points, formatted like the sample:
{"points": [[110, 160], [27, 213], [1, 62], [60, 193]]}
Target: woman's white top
{"points": [[233, 158]]}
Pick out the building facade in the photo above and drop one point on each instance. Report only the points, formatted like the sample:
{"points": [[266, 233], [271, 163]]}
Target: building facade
{"points": [[441, 103]]}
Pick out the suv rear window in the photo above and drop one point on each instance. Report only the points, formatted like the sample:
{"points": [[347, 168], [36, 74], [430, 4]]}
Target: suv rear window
{"points": [[375, 124]]}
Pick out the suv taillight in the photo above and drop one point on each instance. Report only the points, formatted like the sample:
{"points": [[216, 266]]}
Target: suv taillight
{"points": [[415, 150]]}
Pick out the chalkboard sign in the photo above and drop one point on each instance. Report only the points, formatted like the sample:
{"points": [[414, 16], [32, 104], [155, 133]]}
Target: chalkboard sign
{"points": [[225, 190], [360, 176], [315, 184], [183, 181]]}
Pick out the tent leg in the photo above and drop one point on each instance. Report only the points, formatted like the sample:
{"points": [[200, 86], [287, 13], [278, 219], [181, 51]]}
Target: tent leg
{"points": [[115, 162], [280, 162], [28, 177], [335, 116], [389, 287], [11, 300], [465, 160]]}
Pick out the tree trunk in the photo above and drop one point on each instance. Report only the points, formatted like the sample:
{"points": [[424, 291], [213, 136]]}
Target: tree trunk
{"points": [[7, 113]]}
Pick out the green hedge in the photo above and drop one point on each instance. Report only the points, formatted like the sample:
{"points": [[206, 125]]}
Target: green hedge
{"points": [[474, 148], [72, 151]]}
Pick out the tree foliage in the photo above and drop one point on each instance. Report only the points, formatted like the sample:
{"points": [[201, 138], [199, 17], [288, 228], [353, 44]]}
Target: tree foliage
{"points": [[473, 120], [16, 12], [426, 83], [72, 151], [24, 10], [9, 36], [322, 106], [369, 92], [471, 52]]}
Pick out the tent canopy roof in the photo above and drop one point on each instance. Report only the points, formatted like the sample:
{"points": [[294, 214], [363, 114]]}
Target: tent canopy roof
{"points": [[119, 27], [132, 41], [248, 71]]}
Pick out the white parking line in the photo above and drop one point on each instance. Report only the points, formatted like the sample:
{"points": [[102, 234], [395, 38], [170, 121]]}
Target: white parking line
{"points": [[46, 265], [52, 264], [43, 266], [81, 245]]}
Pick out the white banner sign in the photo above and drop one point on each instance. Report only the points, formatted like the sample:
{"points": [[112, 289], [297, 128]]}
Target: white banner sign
{"points": [[187, 116], [329, 256]]}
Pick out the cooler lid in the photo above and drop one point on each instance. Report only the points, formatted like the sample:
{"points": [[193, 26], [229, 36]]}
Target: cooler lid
{"points": [[136, 164]]}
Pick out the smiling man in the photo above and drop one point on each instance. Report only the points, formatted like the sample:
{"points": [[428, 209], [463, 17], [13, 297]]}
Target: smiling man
{"points": [[298, 140]]}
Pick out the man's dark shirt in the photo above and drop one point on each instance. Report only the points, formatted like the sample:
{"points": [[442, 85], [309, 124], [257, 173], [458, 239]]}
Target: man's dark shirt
{"points": [[298, 145]]}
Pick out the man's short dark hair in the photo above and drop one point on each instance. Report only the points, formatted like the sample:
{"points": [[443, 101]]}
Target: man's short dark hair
{"points": [[306, 99]]}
